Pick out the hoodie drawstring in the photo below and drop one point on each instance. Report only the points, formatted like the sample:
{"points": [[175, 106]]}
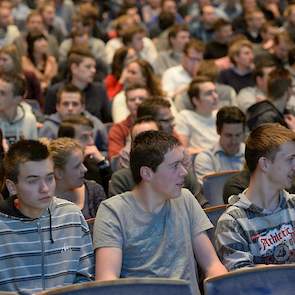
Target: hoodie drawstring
{"points": [[50, 225]]}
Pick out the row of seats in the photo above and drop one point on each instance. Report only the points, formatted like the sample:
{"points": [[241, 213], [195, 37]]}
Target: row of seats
{"points": [[267, 280]]}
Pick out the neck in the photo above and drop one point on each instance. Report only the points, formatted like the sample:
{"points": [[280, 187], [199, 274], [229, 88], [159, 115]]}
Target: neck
{"points": [[220, 41], [60, 188], [76, 195], [38, 56], [204, 114], [146, 198], [242, 69], [9, 114], [81, 85], [31, 213], [178, 51], [262, 192]]}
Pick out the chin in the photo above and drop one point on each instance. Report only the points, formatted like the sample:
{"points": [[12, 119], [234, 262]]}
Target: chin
{"points": [[176, 194]]}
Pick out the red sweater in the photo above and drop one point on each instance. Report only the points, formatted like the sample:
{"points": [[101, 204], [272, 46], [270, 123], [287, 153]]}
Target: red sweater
{"points": [[112, 85], [118, 135]]}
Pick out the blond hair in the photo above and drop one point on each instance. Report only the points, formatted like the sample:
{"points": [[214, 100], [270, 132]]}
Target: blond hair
{"points": [[61, 149]]}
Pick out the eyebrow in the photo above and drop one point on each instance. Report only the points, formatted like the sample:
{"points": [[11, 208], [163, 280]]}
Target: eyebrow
{"points": [[177, 161], [38, 176]]}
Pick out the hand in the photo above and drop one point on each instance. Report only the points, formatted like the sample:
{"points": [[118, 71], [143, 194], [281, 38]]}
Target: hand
{"points": [[194, 150], [260, 98], [92, 152]]}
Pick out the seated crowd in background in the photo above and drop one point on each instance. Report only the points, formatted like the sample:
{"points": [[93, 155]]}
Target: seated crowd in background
{"points": [[109, 108]]}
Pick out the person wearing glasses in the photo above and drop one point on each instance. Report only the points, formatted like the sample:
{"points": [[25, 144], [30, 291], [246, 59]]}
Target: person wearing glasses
{"points": [[177, 78]]}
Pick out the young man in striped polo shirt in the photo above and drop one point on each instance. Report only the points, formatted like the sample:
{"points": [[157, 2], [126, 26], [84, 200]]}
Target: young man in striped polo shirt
{"points": [[44, 241]]}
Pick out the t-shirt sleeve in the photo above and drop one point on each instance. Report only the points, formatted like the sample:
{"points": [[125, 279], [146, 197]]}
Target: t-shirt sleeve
{"points": [[198, 218], [107, 228]]}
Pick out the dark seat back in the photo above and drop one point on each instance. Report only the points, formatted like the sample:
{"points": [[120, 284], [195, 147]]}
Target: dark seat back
{"points": [[274, 280], [213, 214], [213, 186]]}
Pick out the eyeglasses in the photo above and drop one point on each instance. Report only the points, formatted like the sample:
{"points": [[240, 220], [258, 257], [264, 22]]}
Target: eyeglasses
{"points": [[193, 58], [168, 120]]}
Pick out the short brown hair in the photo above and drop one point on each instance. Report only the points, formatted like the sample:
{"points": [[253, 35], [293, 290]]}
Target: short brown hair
{"points": [[129, 33], [194, 44], [174, 30], [72, 89], [194, 87], [149, 149], [265, 141], [21, 152], [17, 82], [229, 115], [236, 47], [278, 83], [78, 54]]}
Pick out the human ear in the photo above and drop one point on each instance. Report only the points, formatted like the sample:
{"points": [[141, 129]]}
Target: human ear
{"points": [[146, 173], [11, 187], [263, 163], [58, 173]]}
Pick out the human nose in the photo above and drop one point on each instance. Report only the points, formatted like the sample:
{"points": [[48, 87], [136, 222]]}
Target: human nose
{"points": [[70, 107], [90, 141], [44, 187], [138, 101], [215, 96], [93, 70], [84, 169], [183, 170]]}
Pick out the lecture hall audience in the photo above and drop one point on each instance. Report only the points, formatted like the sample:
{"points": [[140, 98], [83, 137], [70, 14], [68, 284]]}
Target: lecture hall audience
{"points": [[90, 71]]}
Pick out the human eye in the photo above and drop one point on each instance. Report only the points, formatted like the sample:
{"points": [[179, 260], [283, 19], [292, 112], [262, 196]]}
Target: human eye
{"points": [[32, 180], [78, 165], [50, 178], [174, 165]]}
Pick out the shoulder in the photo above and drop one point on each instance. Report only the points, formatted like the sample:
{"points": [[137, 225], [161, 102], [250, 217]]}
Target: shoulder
{"points": [[206, 154], [118, 203], [236, 213], [66, 43], [97, 86], [119, 97], [227, 72], [97, 42], [171, 72], [185, 115], [26, 112], [93, 186], [55, 87], [290, 199], [63, 208], [185, 200]]}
